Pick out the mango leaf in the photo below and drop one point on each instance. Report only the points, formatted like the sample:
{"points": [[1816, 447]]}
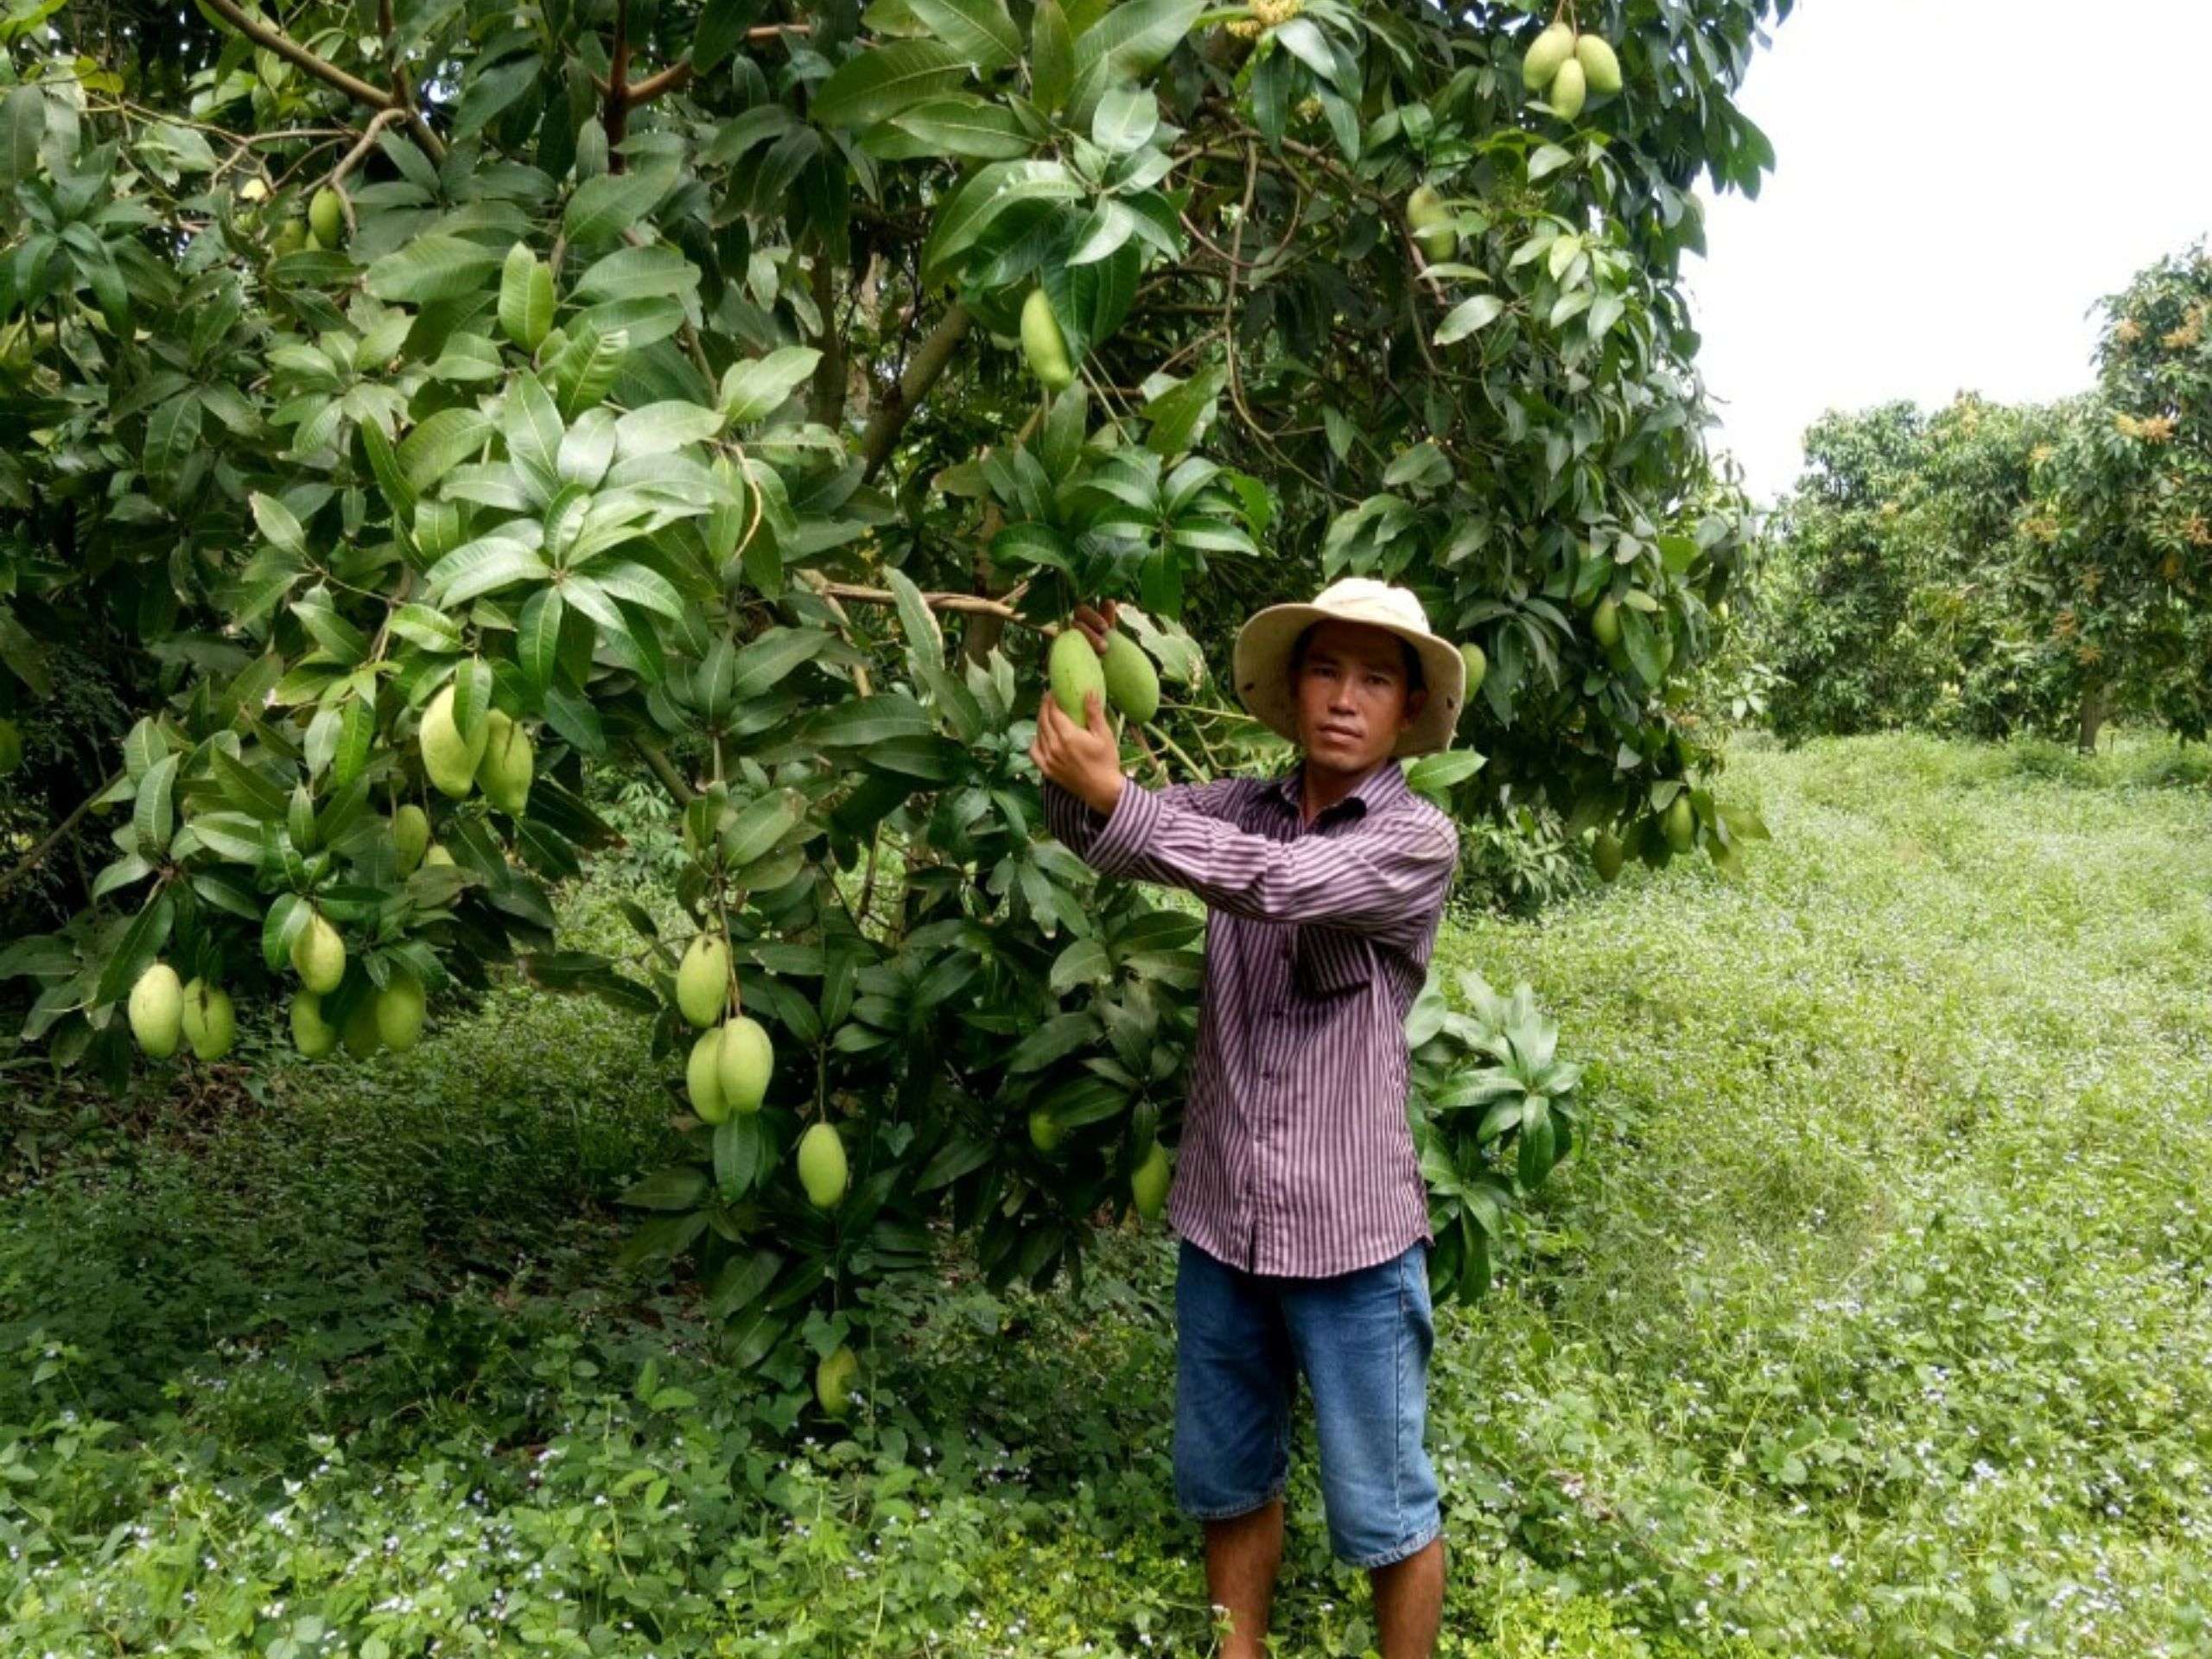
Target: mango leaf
{"points": [[978, 31], [135, 951], [153, 816], [525, 298], [924, 638], [877, 83], [1467, 316], [860, 720], [1131, 40], [757, 386], [1055, 1040], [432, 267], [439, 443], [960, 123], [605, 207], [1051, 56]]}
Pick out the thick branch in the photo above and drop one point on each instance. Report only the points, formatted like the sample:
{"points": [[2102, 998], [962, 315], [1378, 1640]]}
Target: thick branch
{"points": [[976, 603], [292, 52], [674, 77], [615, 119], [665, 769], [891, 415], [827, 405], [31, 859], [678, 75], [329, 73]]}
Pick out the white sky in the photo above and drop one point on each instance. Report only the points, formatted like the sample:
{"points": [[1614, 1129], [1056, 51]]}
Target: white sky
{"points": [[1914, 241]]}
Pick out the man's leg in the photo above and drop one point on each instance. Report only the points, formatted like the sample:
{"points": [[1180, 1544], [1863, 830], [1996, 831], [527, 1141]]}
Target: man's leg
{"points": [[1234, 1381], [1364, 1340], [1241, 1556], [1410, 1602]]}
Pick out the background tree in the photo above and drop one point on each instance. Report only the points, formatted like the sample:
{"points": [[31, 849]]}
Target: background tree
{"points": [[1989, 569], [2123, 529], [1895, 594], [424, 414]]}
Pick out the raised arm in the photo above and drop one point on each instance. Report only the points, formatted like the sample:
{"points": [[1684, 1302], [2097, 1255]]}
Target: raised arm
{"points": [[1384, 880], [1077, 826]]}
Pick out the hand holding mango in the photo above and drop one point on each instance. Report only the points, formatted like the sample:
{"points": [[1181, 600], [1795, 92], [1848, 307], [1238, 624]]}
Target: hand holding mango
{"points": [[1092, 655]]}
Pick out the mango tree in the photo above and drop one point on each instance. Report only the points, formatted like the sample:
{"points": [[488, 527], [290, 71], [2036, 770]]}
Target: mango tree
{"points": [[446, 404], [2122, 526]]}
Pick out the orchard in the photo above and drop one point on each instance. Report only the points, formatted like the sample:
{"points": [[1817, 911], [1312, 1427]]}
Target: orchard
{"points": [[416, 416]]}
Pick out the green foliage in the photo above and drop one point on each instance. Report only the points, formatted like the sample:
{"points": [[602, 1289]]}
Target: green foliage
{"points": [[657, 404], [1884, 1343], [2123, 542], [1898, 591], [1991, 570]]}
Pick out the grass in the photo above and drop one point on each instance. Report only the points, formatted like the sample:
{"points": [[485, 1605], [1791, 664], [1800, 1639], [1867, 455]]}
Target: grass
{"points": [[1872, 1322]]}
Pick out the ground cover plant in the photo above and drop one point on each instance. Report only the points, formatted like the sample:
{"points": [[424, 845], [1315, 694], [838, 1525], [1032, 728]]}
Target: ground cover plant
{"points": [[1872, 1323]]}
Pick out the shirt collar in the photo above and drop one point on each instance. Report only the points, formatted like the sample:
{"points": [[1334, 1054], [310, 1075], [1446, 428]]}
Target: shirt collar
{"points": [[1385, 781]]}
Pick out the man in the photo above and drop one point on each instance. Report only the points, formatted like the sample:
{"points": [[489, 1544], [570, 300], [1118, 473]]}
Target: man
{"points": [[1301, 1211]]}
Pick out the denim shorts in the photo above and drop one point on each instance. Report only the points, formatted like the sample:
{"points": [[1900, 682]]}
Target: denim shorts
{"points": [[1361, 1339]]}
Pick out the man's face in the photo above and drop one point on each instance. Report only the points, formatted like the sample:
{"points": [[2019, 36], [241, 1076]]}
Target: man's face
{"points": [[1353, 700]]}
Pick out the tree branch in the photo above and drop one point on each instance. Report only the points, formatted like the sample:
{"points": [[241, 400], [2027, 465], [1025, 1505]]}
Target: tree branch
{"points": [[678, 75], [977, 604], [614, 119], [826, 407], [665, 769], [31, 859], [891, 415], [673, 79], [329, 73]]}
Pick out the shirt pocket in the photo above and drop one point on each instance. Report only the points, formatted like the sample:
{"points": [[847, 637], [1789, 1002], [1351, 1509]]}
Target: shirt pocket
{"points": [[1329, 961]]}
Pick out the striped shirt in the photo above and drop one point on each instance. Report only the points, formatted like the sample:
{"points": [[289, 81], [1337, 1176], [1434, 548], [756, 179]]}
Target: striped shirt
{"points": [[1296, 1155]]}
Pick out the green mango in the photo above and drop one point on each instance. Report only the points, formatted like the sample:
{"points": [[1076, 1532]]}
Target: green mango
{"points": [[504, 773], [326, 216], [1132, 683], [745, 1060], [1605, 853], [1600, 69], [1043, 344], [1570, 87], [1679, 823], [411, 835], [156, 1010], [312, 1034], [319, 955], [702, 980], [399, 1012], [822, 1169], [1076, 672], [1148, 1182], [1605, 623], [1478, 665], [1545, 53], [361, 1036], [437, 855], [1044, 1132], [448, 760], [209, 1022], [702, 1077], [1427, 218], [833, 1380]]}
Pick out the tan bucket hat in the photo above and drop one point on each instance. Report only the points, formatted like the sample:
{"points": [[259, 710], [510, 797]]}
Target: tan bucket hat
{"points": [[1261, 660]]}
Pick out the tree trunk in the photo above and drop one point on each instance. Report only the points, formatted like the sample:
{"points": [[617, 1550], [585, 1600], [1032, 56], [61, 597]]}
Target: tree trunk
{"points": [[2096, 708]]}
